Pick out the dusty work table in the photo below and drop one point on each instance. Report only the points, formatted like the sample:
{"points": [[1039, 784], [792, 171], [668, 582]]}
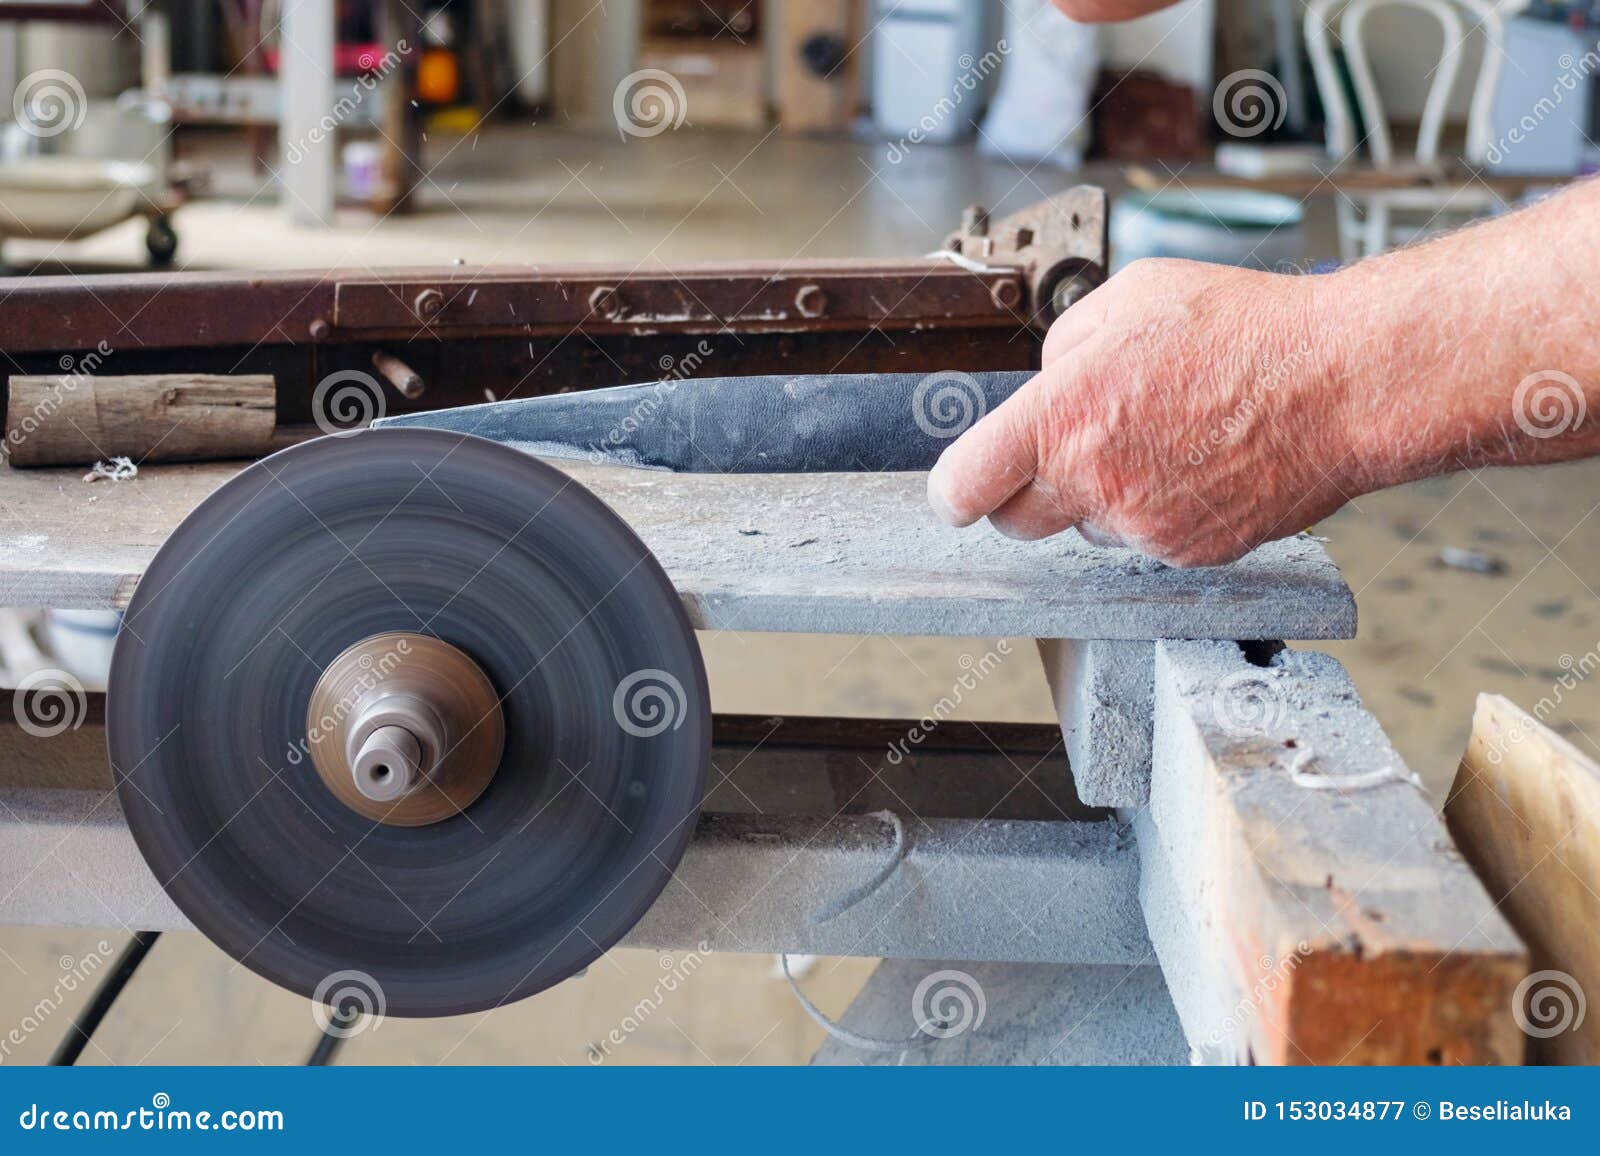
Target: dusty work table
{"points": [[820, 553]]}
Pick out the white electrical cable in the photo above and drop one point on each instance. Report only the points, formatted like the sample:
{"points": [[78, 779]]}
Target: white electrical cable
{"points": [[832, 910]]}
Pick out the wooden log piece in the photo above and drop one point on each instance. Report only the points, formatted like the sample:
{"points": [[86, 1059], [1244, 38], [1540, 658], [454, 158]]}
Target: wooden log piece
{"points": [[77, 419]]}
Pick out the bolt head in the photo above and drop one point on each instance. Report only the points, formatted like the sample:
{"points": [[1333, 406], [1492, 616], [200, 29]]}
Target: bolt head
{"points": [[811, 301], [606, 301], [1006, 293]]}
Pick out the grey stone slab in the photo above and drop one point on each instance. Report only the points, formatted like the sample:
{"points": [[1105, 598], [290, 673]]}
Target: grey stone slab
{"points": [[999, 890], [1031, 1013], [980, 882], [1016, 890], [1103, 691], [819, 553]]}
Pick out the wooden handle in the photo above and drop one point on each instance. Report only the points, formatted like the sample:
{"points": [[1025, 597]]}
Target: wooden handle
{"points": [[76, 419]]}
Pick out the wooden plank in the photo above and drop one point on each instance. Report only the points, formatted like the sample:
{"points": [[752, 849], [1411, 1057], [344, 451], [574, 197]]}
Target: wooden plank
{"points": [[1525, 811], [75, 419], [840, 553], [1341, 922]]}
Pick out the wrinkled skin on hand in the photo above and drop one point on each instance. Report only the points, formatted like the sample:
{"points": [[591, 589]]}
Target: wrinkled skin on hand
{"points": [[1183, 409]]}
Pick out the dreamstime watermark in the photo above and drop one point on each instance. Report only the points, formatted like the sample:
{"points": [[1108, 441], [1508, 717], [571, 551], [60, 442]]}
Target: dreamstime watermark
{"points": [[49, 702], [374, 670], [974, 71], [973, 672], [347, 401], [675, 972], [649, 702], [648, 103], [1248, 704], [1249, 102], [1548, 404], [49, 102], [948, 1003], [1548, 1003], [74, 372], [374, 69], [347, 1003], [1273, 974], [948, 403], [160, 1116], [75, 974], [1574, 72], [1575, 672], [1274, 373], [674, 370]]}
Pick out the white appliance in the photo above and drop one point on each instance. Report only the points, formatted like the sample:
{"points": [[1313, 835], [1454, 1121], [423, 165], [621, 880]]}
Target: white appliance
{"points": [[931, 69], [1543, 112]]}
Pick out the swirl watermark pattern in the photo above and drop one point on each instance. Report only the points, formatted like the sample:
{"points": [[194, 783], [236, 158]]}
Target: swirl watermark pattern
{"points": [[49, 102], [346, 1003], [649, 702], [346, 401], [1548, 1003], [1249, 102], [1548, 404], [1247, 704], [648, 103], [948, 1003], [48, 703], [948, 403]]}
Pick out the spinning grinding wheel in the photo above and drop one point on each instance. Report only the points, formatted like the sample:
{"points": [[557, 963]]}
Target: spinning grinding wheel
{"points": [[411, 705]]}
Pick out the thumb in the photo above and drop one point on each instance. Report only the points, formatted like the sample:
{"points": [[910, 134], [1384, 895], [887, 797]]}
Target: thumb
{"points": [[991, 461]]}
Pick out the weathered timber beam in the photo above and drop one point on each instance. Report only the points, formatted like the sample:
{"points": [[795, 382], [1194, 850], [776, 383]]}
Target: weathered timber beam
{"points": [[1298, 920]]}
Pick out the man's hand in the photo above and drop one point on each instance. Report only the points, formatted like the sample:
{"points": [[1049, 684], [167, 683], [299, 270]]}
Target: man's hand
{"points": [[1146, 428], [1194, 411]]}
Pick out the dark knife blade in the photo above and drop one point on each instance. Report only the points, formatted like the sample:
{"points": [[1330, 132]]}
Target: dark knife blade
{"points": [[826, 423]]}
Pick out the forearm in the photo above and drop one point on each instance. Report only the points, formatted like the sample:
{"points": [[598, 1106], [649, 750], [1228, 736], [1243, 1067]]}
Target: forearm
{"points": [[1478, 348]]}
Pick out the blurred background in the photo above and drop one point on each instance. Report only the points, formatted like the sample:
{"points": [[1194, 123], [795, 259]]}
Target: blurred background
{"points": [[251, 134]]}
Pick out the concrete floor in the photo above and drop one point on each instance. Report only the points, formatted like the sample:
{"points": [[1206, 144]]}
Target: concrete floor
{"points": [[1430, 638]]}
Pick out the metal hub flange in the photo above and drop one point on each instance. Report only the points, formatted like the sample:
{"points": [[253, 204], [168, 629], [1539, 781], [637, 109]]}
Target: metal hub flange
{"points": [[405, 729]]}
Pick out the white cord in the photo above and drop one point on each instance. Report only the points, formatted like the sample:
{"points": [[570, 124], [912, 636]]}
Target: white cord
{"points": [[1316, 781]]}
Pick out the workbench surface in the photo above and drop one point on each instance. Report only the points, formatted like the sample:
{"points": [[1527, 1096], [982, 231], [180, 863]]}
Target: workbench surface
{"points": [[821, 553]]}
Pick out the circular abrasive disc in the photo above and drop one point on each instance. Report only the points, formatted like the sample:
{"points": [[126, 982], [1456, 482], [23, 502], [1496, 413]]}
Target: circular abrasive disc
{"points": [[607, 720]]}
